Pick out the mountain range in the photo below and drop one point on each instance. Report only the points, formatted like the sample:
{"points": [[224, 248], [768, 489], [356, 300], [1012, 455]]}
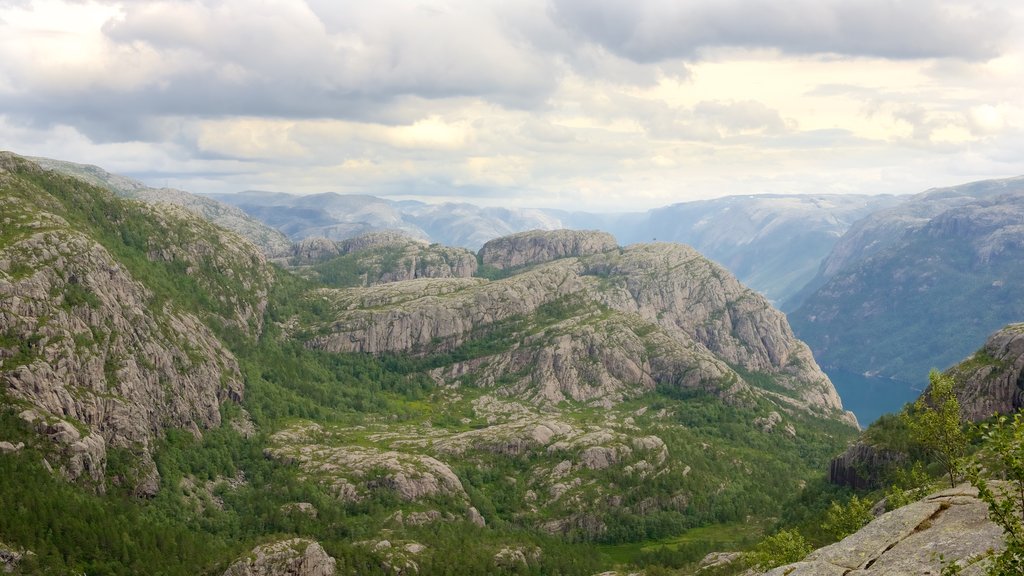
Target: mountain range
{"points": [[171, 398]]}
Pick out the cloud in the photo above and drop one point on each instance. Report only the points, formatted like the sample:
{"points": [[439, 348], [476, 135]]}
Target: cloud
{"points": [[277, 58], [533, 102], [656, 30]]}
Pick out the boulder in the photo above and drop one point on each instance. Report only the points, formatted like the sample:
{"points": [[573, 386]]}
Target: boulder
{"points": [[294, 557]]}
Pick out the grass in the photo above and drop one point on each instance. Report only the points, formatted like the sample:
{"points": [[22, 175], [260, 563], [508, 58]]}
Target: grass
{"points": [[714, 538]]}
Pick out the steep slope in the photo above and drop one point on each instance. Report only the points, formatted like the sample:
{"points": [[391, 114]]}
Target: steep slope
{"points": [[270, 241], [986, 383], [98, 345], [991, 381], [885, 226], [926, 300], [662, 312]]}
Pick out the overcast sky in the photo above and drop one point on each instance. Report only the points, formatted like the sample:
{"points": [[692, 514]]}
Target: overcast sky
{"points": [[586, 104]]}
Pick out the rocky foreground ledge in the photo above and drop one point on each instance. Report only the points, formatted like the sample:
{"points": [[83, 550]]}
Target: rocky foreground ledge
{"points": [[919, 538]]}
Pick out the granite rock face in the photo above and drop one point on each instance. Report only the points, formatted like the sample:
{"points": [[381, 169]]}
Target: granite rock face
{"points": [[537, 247], [596, 328], [101, 360], [992, 380], [381, 257], [294, 557], [951, 525]]}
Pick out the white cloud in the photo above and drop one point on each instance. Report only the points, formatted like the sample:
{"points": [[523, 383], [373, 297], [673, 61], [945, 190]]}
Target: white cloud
{"points": [[537, 102]]}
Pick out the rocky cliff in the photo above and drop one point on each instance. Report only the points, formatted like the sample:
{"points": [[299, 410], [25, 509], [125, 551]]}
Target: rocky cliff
{"points": [[597, 327], [378, 258], [96, 356], [293, 557], [991, 381], [537, 247]]}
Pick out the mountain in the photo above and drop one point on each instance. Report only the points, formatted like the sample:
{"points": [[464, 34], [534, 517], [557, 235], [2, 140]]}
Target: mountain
{"points": [[94, 347], [171, 401], [925, 289], [884, 227], [343, 216], [773, 243], [269, 240]]}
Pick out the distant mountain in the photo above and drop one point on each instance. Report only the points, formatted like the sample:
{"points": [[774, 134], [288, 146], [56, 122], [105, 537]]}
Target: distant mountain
{"points": [[885, 226], [917, 286], [269, 240], [403, 415], [773, 243], [342, 216]]}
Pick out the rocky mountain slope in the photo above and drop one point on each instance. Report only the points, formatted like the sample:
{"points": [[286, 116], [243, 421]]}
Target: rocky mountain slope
{"points": [[377, 258], [661, 314], [991, 381], [929, 297], [772, 243], [269, 240], [95, 357], [586, 394], [986, 383]]}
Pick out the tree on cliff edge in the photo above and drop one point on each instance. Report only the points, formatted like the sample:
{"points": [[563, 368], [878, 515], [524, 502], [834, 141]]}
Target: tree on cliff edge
{"points": [[934, 423]]}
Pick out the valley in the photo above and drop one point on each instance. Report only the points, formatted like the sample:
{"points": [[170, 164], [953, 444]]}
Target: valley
{"points": [[185, 389]]}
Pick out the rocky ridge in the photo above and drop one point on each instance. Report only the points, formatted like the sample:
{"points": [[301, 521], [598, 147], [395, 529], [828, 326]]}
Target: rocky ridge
{"points": [[537, 247], [269, 240], [991, 381], [648, 314], [94, 356], [377, 258]]}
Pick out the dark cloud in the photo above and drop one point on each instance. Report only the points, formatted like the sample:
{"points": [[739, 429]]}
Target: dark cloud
{"points": [[655, 30]]}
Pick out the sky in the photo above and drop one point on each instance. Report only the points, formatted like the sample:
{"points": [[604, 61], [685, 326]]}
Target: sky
{"points": [[576, 104]]}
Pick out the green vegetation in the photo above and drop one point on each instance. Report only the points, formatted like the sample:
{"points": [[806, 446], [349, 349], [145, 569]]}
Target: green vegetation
{"points": [[220, 495], [1003, 453], [934, 424], [783, 547]]}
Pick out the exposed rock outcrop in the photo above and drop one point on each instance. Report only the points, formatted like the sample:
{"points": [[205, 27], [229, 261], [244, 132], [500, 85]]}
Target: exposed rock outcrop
{"points": [[314, 249], [863, 466], [539, 246], [949, 526], [89, 346], [353, 471], [595, 329], [379, 258], [992, 380], [295, 557]]}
